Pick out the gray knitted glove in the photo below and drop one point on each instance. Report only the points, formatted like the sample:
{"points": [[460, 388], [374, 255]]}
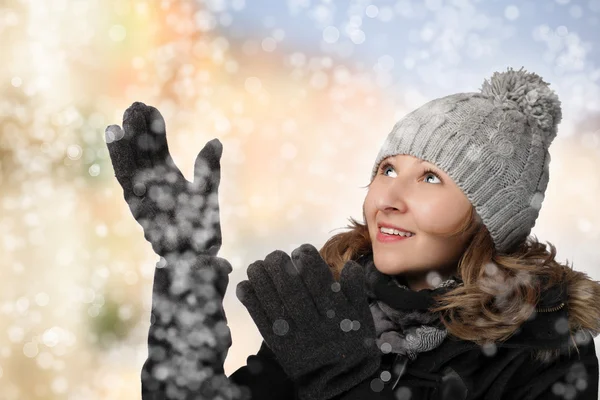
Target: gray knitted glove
{"points": [[321, 331], [176, 215], [188, 338]]}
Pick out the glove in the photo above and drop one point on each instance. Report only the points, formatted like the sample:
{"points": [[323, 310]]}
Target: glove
{"points": [[188, 339], [176, 215], [321, 331]]}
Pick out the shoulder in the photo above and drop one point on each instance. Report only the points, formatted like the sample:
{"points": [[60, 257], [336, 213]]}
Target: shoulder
{"points": [[572, 370], [515, 372]]}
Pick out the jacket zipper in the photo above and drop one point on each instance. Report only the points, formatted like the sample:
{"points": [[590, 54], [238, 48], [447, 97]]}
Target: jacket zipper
{"points": [[550, 309], [398, 369]]}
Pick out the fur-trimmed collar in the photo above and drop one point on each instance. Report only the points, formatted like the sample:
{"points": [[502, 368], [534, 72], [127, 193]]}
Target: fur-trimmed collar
{"points": [[546, 332]]}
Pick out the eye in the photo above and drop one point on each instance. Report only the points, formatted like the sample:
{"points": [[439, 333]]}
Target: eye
{"points": [[385, 167], [429, 172]]}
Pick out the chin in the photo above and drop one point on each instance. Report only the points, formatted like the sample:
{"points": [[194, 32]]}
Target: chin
{"points": [[388, 264]]}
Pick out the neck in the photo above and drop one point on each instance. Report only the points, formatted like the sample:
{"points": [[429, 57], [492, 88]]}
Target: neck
{"points": [[418, 280]]}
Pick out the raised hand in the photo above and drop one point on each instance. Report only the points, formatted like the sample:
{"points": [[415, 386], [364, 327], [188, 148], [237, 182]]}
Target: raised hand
{"points": [[320, 330], [176, 215], [188, 339]]}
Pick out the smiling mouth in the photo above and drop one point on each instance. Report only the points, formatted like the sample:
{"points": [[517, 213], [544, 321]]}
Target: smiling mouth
{"points": [[395, 232], [387, 237]]}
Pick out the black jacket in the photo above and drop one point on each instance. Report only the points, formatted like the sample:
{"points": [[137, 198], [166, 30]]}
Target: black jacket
{"points": [[463, 370]]}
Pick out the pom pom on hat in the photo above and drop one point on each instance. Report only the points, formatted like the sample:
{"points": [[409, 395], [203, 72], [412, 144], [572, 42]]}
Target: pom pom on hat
{"points": [[528, 93]]}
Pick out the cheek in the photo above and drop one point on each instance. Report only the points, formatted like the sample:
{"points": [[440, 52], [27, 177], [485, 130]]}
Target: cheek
{"points": [[440, 216], [369, 206]]}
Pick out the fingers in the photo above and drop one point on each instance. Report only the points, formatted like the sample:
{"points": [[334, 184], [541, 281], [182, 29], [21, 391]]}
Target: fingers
{"points": [[265, 290], [292, 290], [122, 157], [352, 281], [207, 168], [245, 293], [316, 275], [145, 129], [207, 177], [140, 145]]}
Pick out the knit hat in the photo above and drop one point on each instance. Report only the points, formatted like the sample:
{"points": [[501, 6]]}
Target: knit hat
{"points": [[493, 144]]}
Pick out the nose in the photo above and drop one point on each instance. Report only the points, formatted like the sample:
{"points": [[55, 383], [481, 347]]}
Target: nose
{"points": [[391, 197]]}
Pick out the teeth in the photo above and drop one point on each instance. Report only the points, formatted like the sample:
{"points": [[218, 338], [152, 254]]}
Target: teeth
{"points": [[391, 231]]}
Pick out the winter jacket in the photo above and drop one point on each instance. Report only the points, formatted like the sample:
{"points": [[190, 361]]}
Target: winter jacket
{"points": [[464, 370]]}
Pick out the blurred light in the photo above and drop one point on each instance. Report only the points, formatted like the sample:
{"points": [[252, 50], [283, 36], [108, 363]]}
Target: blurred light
{"points": [[225, 19], [238, 5], [386, 62], [138, 62], [576, 11], [433, 5], [131, 278], [205, 21], [299, 59], [322, 14], [319, 80], [386, 14], [45, 360], [86, 295], [269, 44], [94, 170], [30, 349], [125, 311], [371, 11], [60, 385], [250, 47], [585, 225], [141, 8], [117, 33], [51, 336], [511, 12], [101, 230], [562, 30], [278, 34], [15, 334], [16, 81], [253, 85], [288, 151], [357, 36], [22, 305], [94, 311], [330, 34], [42, 299], [74, 152]]}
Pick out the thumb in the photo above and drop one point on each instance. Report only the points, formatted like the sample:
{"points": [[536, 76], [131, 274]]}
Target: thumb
{"points": [[207, 167]]}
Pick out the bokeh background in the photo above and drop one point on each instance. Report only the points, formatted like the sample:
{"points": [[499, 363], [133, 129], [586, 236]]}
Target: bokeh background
{"points": [[300, 92]]}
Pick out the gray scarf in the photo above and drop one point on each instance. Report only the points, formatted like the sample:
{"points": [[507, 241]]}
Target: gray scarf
{"points": [[403, 323]]}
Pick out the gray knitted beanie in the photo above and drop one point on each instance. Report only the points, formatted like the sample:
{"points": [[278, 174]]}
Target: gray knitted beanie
{"points": [[493, 144]]}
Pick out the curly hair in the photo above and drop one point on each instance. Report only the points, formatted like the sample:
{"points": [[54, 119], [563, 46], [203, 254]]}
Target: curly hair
{"points": [[500, 291]]}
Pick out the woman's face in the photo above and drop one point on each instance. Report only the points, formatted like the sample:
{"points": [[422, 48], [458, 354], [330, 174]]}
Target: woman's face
{"points": [[429, 204]]}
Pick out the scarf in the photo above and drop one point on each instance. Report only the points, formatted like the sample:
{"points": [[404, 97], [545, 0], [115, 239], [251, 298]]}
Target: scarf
{"points": [[403, 323]]}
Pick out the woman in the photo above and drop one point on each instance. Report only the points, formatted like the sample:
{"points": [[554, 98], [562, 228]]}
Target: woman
{"points": [[441, 293]]}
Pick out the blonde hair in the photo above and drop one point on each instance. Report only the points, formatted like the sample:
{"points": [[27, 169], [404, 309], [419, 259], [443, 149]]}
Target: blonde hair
{"points": [[500, 290]]}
